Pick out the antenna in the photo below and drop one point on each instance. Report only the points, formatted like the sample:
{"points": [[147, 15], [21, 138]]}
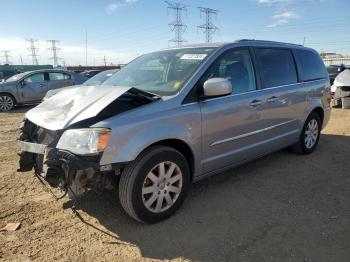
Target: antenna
{"points": [[7, 56], [54, 50], [33, 50], [177, 25], [208, 28]]}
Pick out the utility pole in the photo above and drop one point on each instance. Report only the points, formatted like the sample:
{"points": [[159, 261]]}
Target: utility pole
{"points": [[208, 28], [104, 60], [177, 25], [86, 50], [304, 39], [33, 50], [54, 50], [7, 56], [20, 58]]}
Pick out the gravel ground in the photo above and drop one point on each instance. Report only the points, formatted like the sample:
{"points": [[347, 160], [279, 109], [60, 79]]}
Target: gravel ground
{"points": [[283, 207]]}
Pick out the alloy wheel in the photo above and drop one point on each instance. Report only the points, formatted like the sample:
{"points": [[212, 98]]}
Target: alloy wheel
{"points": [[6, 103], [162, 187], [311, 134]]}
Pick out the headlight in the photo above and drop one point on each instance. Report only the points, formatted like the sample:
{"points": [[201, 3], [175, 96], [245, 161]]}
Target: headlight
{"points": [[84, 141]]}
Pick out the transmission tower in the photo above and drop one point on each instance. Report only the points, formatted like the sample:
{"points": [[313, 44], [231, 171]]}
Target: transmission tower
{"points": [[6, 56], [33, 50], [54, 50], [208, 28], [177, 25]]}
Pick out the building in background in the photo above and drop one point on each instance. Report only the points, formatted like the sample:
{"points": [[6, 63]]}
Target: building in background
{"points": [[335, 59]]}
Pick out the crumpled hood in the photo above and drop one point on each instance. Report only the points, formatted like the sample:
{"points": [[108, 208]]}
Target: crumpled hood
{"points": [[343, 79], [73, 105]]}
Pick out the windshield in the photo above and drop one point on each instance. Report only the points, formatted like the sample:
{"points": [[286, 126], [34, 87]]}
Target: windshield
{"points": [[162, 73], [16, 77], [99, 78]]}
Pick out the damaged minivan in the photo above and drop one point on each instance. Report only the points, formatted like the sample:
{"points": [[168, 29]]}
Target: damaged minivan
{"points": [[176, 116]]}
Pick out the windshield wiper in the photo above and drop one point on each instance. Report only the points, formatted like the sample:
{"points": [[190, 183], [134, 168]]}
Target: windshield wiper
{"points": [[147, 95]]}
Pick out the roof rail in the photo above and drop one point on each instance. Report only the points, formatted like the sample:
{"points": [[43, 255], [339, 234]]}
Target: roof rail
{"points": [[263, 41]]}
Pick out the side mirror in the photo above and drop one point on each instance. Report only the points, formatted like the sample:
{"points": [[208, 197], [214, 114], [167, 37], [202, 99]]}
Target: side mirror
{"points": [[217, 87], [22, 83]]}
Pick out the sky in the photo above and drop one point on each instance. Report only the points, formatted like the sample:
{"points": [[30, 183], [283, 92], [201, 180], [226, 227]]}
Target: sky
{"points": [[121, 30]]}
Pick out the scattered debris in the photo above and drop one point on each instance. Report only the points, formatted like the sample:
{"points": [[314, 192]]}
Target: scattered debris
{"points": [[11, 227]]}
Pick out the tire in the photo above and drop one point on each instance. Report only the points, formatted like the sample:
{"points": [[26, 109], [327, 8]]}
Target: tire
{"points": [[304, 145], [140, 191], [7, 102]]}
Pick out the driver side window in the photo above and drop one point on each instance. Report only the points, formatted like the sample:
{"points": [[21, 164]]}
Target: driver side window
{"points": [[236, 66], [36, 78]]}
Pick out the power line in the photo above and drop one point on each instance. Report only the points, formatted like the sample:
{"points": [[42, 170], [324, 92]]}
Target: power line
{"points": [[33, 50], [177, 25], [54, 50], [208, 28], [7, 56]]}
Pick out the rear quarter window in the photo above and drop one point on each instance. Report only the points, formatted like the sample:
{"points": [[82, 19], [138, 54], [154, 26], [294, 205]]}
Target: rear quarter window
{"points": [[311, 65], [277, 67]]}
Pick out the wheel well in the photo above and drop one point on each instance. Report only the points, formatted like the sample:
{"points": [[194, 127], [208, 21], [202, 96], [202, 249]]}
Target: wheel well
{"points": [[8, 94], [182, 147], [319, 111]]}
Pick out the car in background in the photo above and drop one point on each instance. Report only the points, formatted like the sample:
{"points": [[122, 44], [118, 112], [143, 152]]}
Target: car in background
{"points": [[93, 81], [341, 90], [334, 70], [30, 87], [7, 74], [90, 73]]}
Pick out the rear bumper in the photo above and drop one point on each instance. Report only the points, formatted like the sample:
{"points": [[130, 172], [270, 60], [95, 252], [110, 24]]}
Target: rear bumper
{"points": [[326, 116]]}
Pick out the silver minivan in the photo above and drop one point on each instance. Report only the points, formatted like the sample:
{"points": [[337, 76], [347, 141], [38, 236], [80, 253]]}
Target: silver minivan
{"points": [[176, 116]]}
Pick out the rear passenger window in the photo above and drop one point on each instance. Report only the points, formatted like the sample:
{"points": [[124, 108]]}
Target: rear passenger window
{"points": [[277, 67], [312, 67], [58, 76]]}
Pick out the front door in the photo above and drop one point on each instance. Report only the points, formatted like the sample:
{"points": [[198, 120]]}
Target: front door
{"points": [[232, 126], [33, 88]]}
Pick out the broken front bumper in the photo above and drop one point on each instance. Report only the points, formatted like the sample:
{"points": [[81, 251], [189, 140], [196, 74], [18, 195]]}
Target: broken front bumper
{"points": [[59, 168]]}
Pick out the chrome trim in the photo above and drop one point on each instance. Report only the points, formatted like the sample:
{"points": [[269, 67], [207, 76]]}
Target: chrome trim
{"points": [[250, 133], [32, 147]]}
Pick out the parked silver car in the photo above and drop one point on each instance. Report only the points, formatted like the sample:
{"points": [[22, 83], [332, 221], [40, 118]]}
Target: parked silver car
{"points": [[96, 80], [176, 116], [31, 87]]}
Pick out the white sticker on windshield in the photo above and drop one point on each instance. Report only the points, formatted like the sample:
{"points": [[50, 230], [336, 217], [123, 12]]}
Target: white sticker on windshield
{"points": [[193, 56]]}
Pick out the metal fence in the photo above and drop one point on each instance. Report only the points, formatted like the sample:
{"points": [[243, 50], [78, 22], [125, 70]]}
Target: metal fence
{"points": [[337, 61]]}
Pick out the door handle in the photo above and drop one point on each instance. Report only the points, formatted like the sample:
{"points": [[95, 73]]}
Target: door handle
{"points": [[41, 85], [272, 99], [255, 103]]}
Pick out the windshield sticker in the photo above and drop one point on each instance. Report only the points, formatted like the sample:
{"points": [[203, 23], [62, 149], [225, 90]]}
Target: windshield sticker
{"points": [[193, 56]]}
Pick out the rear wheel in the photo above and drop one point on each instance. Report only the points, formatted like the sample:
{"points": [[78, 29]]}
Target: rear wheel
{"points": [[7, 102], [153, 187], [309, 136]]}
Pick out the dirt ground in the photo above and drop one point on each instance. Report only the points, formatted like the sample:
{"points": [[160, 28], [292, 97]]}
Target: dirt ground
{"points": [[283, 207]]}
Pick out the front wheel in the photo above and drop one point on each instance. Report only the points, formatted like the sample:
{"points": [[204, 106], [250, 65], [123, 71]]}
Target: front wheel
{"points": [[153, 187], [7, 102], [309, 136]]}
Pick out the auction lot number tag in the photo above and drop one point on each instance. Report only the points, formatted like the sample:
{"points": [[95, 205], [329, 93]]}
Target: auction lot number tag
{"points": [[193, 56]]}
